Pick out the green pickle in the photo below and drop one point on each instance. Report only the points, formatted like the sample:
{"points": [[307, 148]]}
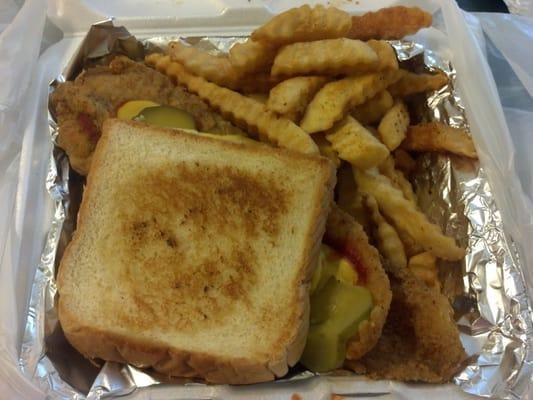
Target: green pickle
{"points": [[167, 117], [336, 312], [328, 264]]}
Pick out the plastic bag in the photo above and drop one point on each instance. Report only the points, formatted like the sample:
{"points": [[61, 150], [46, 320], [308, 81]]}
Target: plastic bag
{"points": [[20, 42], [19, 46]]}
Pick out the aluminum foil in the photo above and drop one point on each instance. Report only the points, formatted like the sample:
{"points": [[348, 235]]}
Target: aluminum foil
{"points": [[492, 308]]}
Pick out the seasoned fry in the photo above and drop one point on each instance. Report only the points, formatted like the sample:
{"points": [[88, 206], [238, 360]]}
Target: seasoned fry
{"points": [[356, 144], [412, 83], [251, 56], [290, 97], [261, 82], [259, 97], [304, 24], [393, 126], [424, 267], [388, 241], [386, 55], [389, 23], [326, 149], [325, 57], [411, 246], [374, 109], [331, 102], [243, 111], [435, 136], [403, 161], [349, 198], [404, 215], [397, 178], [214, 68]]}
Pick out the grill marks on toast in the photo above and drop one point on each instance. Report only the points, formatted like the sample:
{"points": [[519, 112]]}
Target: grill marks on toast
{"points": [[166, 213]]}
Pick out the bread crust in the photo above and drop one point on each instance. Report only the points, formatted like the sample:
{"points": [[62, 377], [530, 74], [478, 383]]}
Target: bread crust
{"points": [[95, 343]]}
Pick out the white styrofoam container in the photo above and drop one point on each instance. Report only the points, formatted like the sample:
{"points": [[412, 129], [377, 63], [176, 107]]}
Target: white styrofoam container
{"points": [[33, 207]]}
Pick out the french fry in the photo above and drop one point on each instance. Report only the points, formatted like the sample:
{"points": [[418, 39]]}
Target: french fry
{"points": [[386, 55], [261, 82], [350, 200], [326, 149], [412, 83], [325, 57], [389, 23], [242, 111], [259, 97], [399, 181], [251, 56], [403, 161], [388, 241], [373, 109], [404, 215], [393, 126], [304, 24], [332, 101], [424, 267], [290, 97], [411, 246], [435, 136], [355, 144], [214, 68]]}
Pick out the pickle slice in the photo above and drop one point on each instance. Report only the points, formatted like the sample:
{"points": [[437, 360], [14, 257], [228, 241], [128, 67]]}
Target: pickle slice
{"points": [[329, 263], [167, 117], [131, 109], [336, 312]]}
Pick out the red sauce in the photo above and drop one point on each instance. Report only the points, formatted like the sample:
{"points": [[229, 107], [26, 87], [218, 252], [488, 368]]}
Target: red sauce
{"points": [[88, 127], [351, 253]]}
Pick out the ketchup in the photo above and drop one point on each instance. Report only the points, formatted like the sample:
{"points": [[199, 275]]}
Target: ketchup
{"points": [[88, 127], [350, 253]]}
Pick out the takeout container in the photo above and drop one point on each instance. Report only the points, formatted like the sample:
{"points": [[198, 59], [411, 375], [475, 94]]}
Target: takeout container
{"points": [[239, 17]]}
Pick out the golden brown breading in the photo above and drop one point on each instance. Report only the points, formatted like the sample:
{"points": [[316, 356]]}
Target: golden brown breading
{"points": [[420, 340], [389, 23], [345, 235], [81, 106]]}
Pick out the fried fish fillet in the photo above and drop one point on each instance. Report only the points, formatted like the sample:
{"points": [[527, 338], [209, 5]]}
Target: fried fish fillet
{"points": [[420, 340], [81, 106]]}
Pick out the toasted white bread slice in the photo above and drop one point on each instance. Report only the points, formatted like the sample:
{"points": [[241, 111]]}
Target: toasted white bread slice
{"points": [[193, 255]]}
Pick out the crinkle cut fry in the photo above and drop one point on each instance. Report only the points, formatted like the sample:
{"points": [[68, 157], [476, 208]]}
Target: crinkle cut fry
{"points": [[344, 233], [251, 56], [302, 24], [388, 241], [290, 97], [241, 110], [389, 23], [356, 144], [436, 136], [332, 101], [412, 83], [214, 68], [405, 215], [325, 57]]}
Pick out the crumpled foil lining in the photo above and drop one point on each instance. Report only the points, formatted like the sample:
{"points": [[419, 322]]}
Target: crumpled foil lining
{"points": [[492, 308]]}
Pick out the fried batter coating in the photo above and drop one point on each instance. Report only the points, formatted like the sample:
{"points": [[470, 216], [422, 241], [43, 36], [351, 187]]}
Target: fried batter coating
{"points": [[389, 23], [81, 106], [420, 340], [347, 236], [436, 136]]}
